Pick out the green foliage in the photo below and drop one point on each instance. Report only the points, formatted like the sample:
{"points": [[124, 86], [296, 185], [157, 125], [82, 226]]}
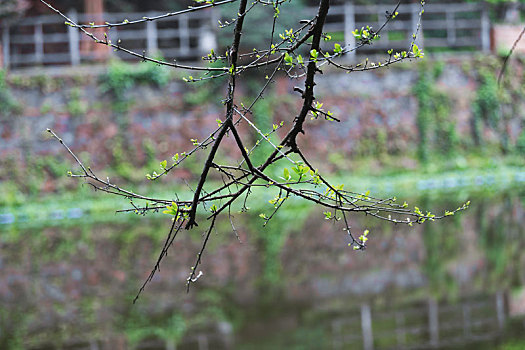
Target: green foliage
{"points": [[273, 237], [76, 106], [121, 77], [46, 107], [204, 92], [437, 128], [43, 82], [8, 104], [28, 178], [120, 162], [520, 143], [396, 35], [365, 35], [486, 105], [423, 91], [272, 241], [263, 117], [441, 253], [11, 195], [337, 36], [171, 209], [14, 324], [138, 328], [149, 151], [515, 344], [441, 248]]}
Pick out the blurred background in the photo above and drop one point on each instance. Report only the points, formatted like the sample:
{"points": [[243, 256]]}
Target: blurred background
{"points": [[434, 132]]}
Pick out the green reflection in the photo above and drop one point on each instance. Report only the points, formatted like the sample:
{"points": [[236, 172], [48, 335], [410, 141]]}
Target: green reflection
{"points": [[75, 283]]}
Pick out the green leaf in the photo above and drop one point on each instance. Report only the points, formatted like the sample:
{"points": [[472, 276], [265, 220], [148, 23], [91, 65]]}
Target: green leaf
{"points": [[313, 55], [171, 209], [163, 164], [286, 174], [416, 51], [288, 59]]}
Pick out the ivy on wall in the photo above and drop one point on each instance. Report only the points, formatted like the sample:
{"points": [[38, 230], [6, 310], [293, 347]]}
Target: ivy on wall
{"points": [[436, 126], [8, 104]]}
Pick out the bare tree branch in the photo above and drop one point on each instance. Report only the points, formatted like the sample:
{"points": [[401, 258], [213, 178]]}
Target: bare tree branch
{"points": [[242, 177]]}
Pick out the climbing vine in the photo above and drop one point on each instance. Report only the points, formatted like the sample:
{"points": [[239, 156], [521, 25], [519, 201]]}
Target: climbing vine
{"points": [[436, 126]]}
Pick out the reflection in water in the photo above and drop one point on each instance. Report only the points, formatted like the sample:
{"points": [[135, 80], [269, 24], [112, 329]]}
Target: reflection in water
{"points": [[422, 325], [293, 285]]}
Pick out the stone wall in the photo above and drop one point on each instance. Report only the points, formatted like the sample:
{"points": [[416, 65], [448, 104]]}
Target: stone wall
{"points": [[378, 112]]}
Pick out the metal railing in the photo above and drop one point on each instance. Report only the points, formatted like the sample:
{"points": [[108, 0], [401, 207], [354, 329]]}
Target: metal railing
{"points": [[444, 26], [45, 40], [423, 325]]}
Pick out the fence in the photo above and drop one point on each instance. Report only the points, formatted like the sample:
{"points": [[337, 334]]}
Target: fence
{"points": [[423, 326], [45, 40], [444, 26]]}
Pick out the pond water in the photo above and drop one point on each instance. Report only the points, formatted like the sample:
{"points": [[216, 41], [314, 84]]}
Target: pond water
{"points": [[295, 284]]}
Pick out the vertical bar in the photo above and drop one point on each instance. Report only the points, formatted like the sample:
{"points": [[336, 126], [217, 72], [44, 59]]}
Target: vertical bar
{"points": [[184, 35], [73, 36], [113, 37], [366, 327], [39, 43], [414, 16], [349, 23], [466, 320], [151, 36], [6, 50], [415, 20], [203, 342], [208, 38], [451, 28], [433, 321], [485, 29], [337, 342], [170, 344], [500, 309], [400, 329], [215, 17], [380, 20]]}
